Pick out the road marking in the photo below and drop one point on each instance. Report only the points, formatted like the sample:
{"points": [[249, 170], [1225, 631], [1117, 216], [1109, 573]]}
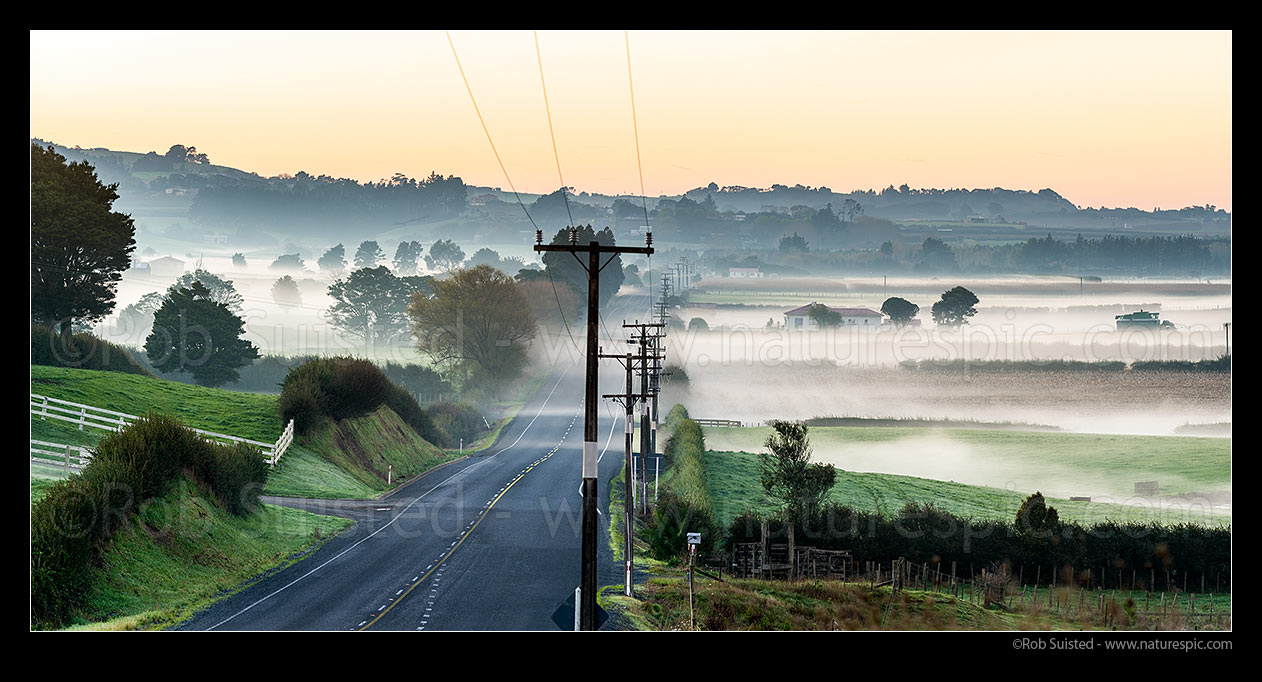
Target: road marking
{"points": [[455, 546], [361, 541]]}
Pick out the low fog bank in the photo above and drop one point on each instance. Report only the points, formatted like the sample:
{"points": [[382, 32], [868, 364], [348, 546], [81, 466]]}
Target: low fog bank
{"points": [[938, 457], [1152, 403]]}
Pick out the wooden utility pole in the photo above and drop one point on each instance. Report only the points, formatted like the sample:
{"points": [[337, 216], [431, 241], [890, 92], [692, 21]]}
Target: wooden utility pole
{"points": [[628, 399], [594, 250]]}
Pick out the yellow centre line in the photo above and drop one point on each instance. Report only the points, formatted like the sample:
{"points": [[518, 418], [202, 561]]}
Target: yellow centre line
{"points": [[440, 562]]}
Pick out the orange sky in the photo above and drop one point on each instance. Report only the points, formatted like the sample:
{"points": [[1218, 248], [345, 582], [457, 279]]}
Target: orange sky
{"points": [[1105, 118]]}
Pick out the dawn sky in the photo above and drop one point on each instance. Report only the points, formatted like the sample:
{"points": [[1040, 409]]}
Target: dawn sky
{"points": [[1131, 118]]}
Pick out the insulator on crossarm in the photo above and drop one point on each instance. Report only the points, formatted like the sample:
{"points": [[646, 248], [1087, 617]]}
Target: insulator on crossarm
{"points": [[648, 238], [573, 236], [538, 236]]}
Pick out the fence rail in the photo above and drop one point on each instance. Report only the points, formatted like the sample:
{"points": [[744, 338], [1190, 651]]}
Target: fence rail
{"points": [[733, 423], [60, 453], [99, 418]]}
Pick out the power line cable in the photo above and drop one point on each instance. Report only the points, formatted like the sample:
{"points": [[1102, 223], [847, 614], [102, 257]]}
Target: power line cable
{"points": [[639, 164], [547, 108], [489, 141], [485, 130]]}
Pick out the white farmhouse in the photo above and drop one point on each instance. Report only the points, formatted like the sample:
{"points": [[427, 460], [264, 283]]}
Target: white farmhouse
{"points": [[166, 266], [799, 318], [744, 273]]}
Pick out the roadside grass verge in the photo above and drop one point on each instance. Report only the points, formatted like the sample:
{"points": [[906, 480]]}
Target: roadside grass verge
{"points": [[183, 552]]}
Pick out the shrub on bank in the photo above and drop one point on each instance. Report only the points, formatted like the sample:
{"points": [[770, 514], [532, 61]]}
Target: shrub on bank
{"points": [[345, 388], [128, 469], [80, 351], [458, 420]]}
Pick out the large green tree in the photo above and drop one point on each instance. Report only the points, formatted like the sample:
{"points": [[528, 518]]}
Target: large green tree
{"points": [[368, 254], [478, 324], [79, 246], [823, 315], [333, 261], [221, 290], [444, 254], [787, 474], [372, 303], [900, 310], [406, 256], [563, 267], [193, 333], [955, 307]]}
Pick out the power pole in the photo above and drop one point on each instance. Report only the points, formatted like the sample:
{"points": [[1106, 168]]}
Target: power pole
{"points": [[646, 371], [594, 250], [628, 400]]}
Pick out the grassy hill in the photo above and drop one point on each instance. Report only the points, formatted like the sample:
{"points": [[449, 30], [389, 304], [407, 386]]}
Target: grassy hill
{"points": [[1077, 463], [733, 482], [348, 459], [248, 415]]}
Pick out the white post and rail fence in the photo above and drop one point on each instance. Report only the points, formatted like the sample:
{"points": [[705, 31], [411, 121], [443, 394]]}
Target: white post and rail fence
{"points": [[76, 457]]}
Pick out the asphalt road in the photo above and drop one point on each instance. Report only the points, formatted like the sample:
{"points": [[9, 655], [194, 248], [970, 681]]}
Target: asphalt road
{"points": [[491, 542]]}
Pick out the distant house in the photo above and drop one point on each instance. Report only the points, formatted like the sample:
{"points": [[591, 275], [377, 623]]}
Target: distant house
{"points": [[139, 268], [800, 318], [166, 266], [744, 273]]}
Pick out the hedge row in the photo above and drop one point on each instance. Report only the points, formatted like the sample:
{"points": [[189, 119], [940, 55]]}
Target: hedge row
{"points": [[686, 506], [128, 469]]}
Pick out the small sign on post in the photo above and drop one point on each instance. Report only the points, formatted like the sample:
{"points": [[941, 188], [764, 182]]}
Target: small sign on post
{"points": [[694, 538]]}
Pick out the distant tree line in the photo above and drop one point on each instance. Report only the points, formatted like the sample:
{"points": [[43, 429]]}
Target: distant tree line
{"points": [[1181, 255], [323, 205]]}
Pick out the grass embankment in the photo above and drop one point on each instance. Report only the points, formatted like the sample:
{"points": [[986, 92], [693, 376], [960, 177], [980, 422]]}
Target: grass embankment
{"points": [[1080, 464], [346, 459], [349, 458], [183, 551]]}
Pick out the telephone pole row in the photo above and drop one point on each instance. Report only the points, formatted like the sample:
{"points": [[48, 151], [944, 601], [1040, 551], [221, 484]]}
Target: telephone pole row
{"points": [[593, 266]]}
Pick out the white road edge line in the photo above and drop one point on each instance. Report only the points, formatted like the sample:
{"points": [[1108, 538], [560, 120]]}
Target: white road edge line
{"points": [[396, 518]]}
